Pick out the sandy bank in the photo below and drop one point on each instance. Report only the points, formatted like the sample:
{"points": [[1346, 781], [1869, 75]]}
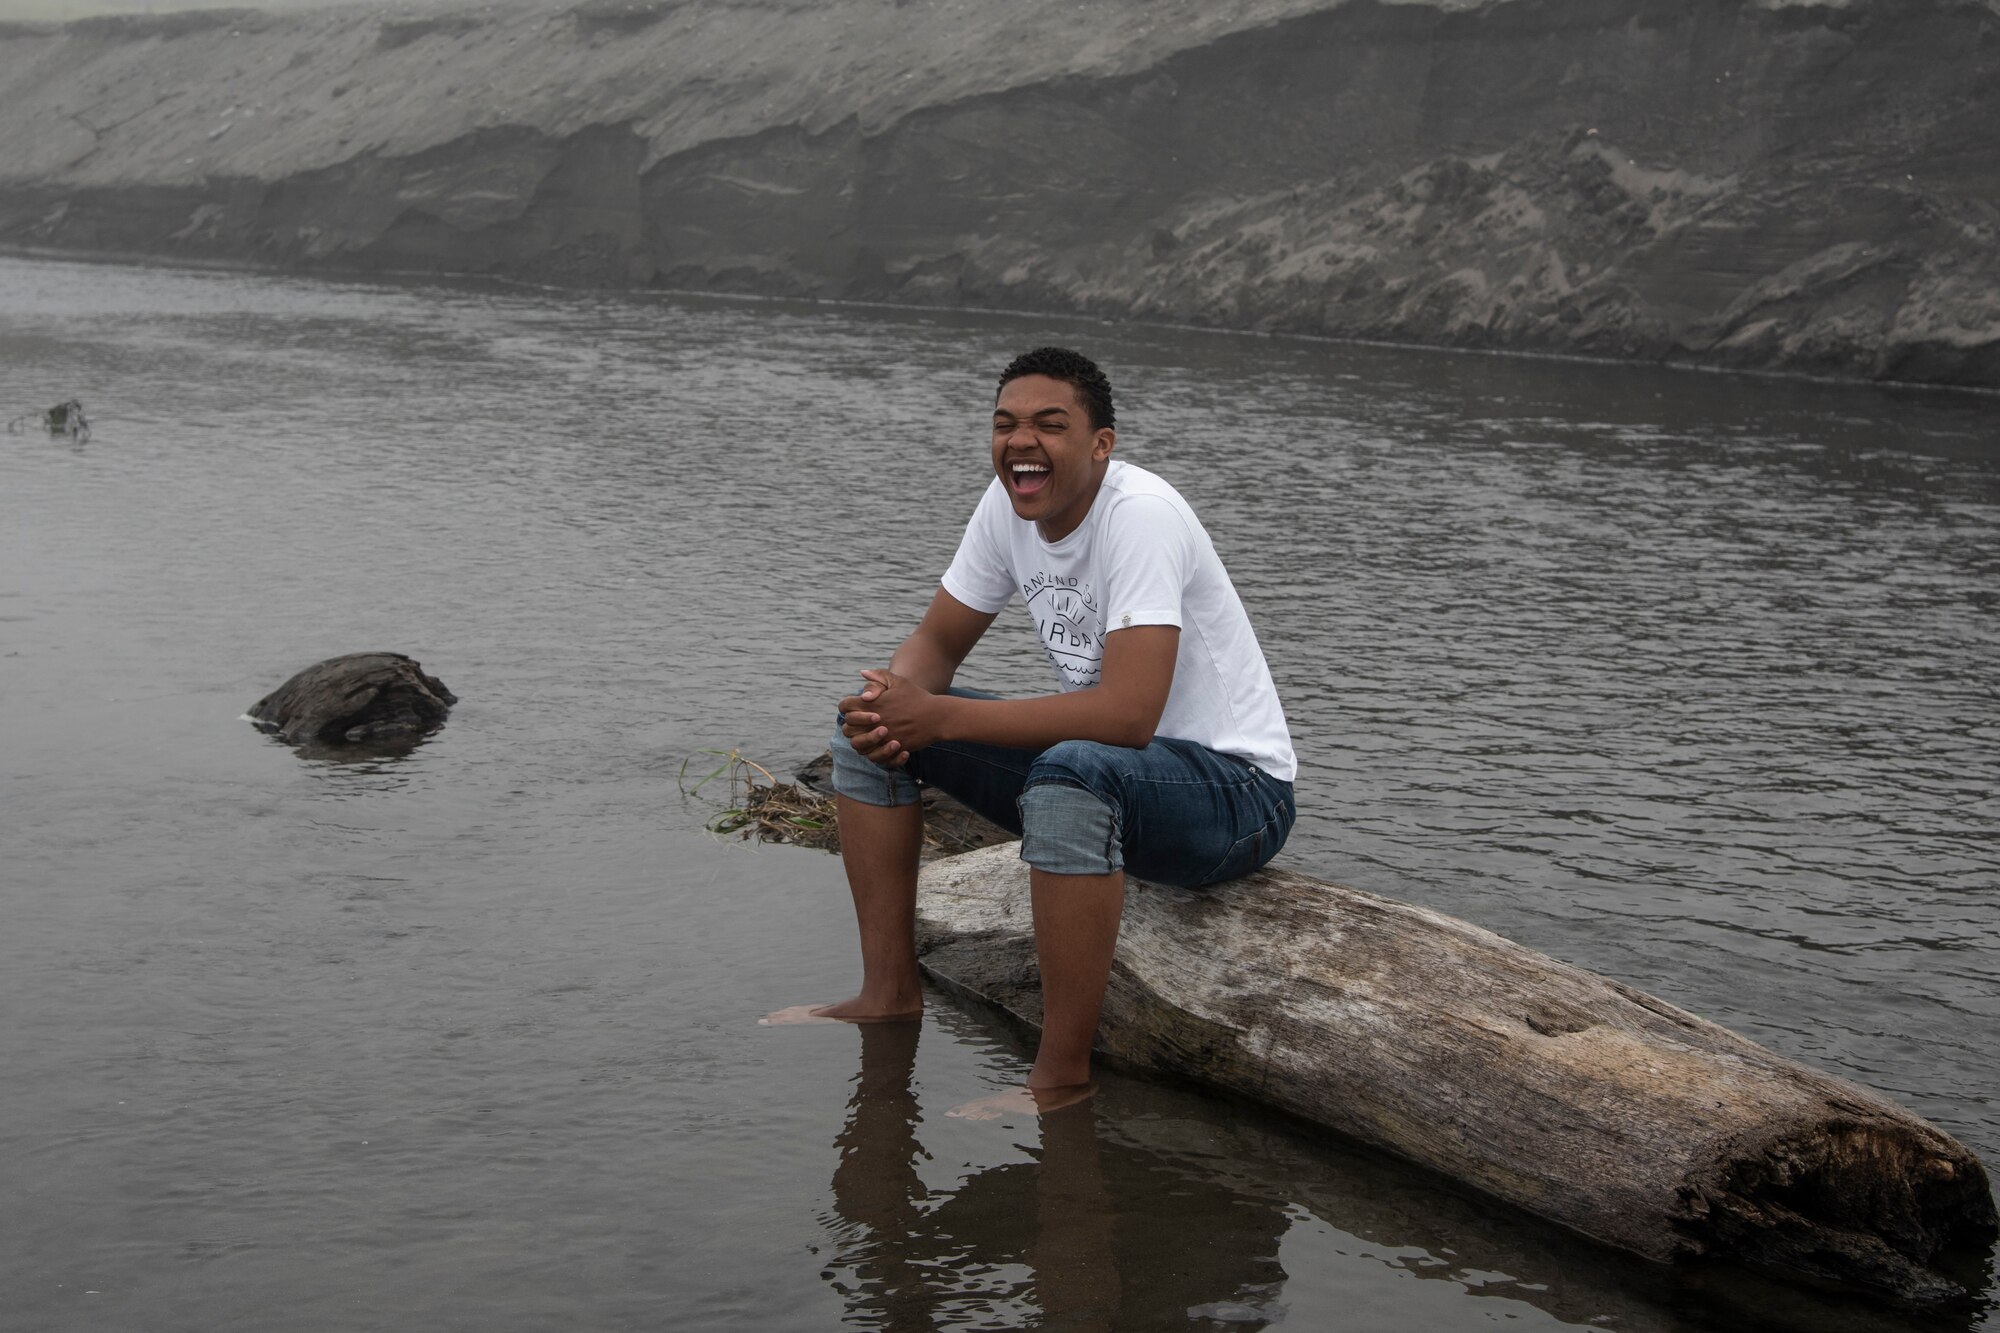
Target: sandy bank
{"points": [[1789, 186]]}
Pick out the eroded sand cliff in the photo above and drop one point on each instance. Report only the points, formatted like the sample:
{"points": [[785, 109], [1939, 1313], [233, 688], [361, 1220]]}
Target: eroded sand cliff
{"points": [[1811, 187]]}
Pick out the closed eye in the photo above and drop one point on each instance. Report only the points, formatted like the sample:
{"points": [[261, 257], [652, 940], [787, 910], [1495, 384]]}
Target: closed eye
{"points": [[1045, 424]]}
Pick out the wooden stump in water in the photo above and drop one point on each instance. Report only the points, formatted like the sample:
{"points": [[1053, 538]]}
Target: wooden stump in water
{"points": [[355, 699], [1579, 1099]]}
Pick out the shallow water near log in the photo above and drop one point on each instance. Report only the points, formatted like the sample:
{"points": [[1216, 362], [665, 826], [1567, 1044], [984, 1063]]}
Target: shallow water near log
{"points": [[1688, 679]]}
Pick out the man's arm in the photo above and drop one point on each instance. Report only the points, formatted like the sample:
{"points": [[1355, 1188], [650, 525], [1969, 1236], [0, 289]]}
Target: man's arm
{"points": [[927, 660], [1123, 708]]}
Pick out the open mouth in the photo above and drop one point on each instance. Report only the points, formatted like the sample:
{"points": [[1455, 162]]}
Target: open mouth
{"points": [[1027, 478]]}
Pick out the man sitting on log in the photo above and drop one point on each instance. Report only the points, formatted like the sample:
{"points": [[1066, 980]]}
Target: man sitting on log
{"points": [[1164, 752]]}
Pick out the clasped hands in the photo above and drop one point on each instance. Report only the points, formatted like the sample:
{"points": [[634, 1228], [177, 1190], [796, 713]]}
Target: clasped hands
{"points": [[890, 718]]}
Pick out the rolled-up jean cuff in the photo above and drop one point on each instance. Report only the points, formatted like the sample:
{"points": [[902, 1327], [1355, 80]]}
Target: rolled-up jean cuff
{"points": [[868, 782], [1069, 830]]}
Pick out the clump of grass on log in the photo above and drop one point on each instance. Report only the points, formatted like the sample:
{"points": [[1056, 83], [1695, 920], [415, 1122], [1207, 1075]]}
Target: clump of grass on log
{"points": [[760, 806]]}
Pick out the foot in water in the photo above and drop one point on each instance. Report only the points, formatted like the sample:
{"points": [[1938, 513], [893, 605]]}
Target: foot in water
{"points": [[1024, 1101], [847, 1011]]}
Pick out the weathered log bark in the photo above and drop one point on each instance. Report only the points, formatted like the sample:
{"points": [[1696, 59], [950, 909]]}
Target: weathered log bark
{"points": [[355, 699], [1579, 1099]]}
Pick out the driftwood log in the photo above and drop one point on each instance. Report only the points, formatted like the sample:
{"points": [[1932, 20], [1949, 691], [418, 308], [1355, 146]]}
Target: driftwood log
{"points": [[1581, 1100], [356, 699]]}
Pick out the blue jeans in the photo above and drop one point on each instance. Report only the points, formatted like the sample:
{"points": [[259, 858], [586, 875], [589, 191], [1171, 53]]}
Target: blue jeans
{"points": [[1175, 812]]}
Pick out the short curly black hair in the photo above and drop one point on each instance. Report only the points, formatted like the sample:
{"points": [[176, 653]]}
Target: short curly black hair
{"points": [[1072, 368]]}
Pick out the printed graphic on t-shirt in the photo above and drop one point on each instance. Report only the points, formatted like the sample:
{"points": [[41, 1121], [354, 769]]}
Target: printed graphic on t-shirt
{"points": [[1071, 625]]}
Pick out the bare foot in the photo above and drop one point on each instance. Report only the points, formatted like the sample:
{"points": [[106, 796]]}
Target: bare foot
{"points": [[847, 1011], [1023, 1101]]}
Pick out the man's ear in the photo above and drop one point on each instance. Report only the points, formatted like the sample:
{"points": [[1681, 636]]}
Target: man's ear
{"points": [[1102, 443]]}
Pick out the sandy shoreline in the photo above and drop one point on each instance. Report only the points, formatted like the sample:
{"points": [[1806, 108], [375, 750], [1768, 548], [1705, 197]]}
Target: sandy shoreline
{"points": [[1801, 189]]}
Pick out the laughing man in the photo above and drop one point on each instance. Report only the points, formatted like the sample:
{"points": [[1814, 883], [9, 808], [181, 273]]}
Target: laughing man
{"points": [[1164, 750]]}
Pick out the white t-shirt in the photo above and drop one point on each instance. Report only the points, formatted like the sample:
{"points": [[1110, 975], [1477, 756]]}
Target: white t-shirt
{"points": [[1140, 557]]}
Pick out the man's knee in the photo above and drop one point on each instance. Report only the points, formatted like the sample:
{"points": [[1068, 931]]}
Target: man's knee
{"points": [[1069, 810], [863, 780], [1091, 765]]}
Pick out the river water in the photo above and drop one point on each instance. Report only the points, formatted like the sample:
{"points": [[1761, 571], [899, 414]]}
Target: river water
{"points": [[1688, 679]]}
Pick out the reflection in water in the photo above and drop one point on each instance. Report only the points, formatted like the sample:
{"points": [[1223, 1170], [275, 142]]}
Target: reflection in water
{"points": [[877, 1192], [1148, 1208], [1111, 1236], [377, 756]]}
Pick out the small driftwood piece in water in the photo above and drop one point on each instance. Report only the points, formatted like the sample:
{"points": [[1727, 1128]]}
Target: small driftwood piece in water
{"points": [[356, 699], [65, 418], [1579, 1099]]}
